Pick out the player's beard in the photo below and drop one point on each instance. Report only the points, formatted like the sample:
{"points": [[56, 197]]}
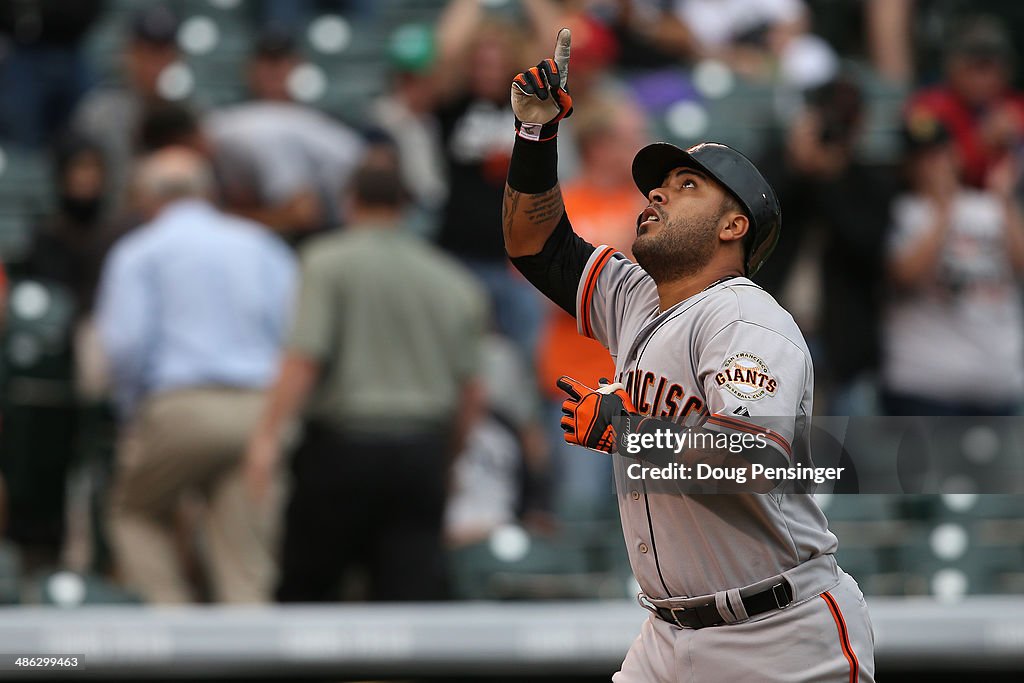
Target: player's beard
{"points": [[680, 247]]}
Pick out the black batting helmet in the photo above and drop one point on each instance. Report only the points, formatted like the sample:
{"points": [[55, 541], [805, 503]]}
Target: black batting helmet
{"points": [[735, 172]]}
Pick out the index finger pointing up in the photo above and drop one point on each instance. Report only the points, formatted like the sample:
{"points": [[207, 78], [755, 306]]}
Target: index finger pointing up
{"points": [[562, 45]]}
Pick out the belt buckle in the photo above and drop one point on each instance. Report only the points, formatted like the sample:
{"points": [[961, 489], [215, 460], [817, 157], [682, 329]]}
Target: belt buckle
{"points": [[672, 611], [777, 591]]}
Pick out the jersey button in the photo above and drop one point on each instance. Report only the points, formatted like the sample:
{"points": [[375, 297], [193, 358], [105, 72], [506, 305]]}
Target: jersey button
{"points": [[643, 547], [636, 495]]}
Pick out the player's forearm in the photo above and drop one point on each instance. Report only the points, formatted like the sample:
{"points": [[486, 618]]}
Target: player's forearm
{"points": [[529, 220], [532, 204]]}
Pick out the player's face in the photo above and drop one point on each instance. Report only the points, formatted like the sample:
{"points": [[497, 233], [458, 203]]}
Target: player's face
{"points": [[678, 232]]}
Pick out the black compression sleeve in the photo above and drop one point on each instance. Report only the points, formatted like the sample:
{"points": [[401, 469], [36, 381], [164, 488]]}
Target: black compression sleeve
{"points": [[557, 269], [534, 166]]}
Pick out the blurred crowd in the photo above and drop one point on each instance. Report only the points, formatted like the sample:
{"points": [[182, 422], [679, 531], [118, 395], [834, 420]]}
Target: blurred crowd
{"points": [[261, 349]]}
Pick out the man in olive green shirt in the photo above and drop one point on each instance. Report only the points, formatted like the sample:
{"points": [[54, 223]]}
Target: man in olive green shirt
{"points": [[382, 362]]}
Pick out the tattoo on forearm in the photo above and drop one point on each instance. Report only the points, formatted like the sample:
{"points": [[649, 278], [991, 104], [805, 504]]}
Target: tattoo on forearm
{"points": [[544, 208], [508, 210], [536, 209]]}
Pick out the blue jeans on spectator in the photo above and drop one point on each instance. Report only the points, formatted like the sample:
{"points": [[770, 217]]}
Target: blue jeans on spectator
{"points": [[39, 86], [518, 309]]}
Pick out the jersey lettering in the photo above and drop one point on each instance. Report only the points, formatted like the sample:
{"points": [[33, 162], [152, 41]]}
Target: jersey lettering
{"points": [[664, 403], [645, 386]]}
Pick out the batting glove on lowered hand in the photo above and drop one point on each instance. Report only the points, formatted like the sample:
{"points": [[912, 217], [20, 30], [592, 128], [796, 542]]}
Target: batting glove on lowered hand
{"points": [[539, 97], [589, 414]]}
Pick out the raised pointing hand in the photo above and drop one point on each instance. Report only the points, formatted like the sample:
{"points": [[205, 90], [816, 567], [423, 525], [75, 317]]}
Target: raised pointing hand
{"points": [[539, 97]]}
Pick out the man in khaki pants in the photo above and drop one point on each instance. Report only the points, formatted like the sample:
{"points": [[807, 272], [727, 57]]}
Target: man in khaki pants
{"points": [[192, 311]]}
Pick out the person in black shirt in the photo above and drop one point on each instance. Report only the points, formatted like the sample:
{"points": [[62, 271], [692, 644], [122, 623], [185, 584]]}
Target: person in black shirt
{"points": [[68, 246], [828, 189], [475, 118]]}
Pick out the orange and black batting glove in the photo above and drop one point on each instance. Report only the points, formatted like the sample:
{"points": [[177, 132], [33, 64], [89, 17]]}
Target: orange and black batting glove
{"points": [[589, 415], [539, 96]]}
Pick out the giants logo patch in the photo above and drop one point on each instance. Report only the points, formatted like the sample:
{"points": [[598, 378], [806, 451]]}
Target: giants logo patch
{"points": [[746, 377]]}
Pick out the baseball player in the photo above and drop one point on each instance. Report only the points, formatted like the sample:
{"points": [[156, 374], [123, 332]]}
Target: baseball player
{"points": [[743, 586]]}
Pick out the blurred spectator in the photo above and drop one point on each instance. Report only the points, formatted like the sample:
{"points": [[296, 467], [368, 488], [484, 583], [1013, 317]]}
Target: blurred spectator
{"points": [[501, 476], [604, 204], [406, 113], [953, 334], [648, 33], [876, 32], [192, 311], [273, 58], [42, 71], [46, 436], [976, 103], [111, 115], [835, 200], [594, 49], [382, 362], [476, 117], [760, 39], [169, 124], [487, 483], [293, 15], [69, 246], [281, 163]]}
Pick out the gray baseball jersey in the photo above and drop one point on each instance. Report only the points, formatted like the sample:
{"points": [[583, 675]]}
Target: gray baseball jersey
{"points": [[733, 356]]}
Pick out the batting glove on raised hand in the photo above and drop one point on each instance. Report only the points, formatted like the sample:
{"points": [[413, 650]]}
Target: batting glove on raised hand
{"points": [[589, 415], [539, 97]]}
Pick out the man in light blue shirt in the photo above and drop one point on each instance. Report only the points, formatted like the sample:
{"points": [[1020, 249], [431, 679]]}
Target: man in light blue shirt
{"points": [[193, 308]]}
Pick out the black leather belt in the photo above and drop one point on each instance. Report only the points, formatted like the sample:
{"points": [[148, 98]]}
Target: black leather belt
{"points": [[701, 616]]}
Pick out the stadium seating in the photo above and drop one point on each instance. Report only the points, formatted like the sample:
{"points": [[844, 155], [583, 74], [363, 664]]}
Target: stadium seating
{"points": [[10, 574], [513, 563], [25, 196]]}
